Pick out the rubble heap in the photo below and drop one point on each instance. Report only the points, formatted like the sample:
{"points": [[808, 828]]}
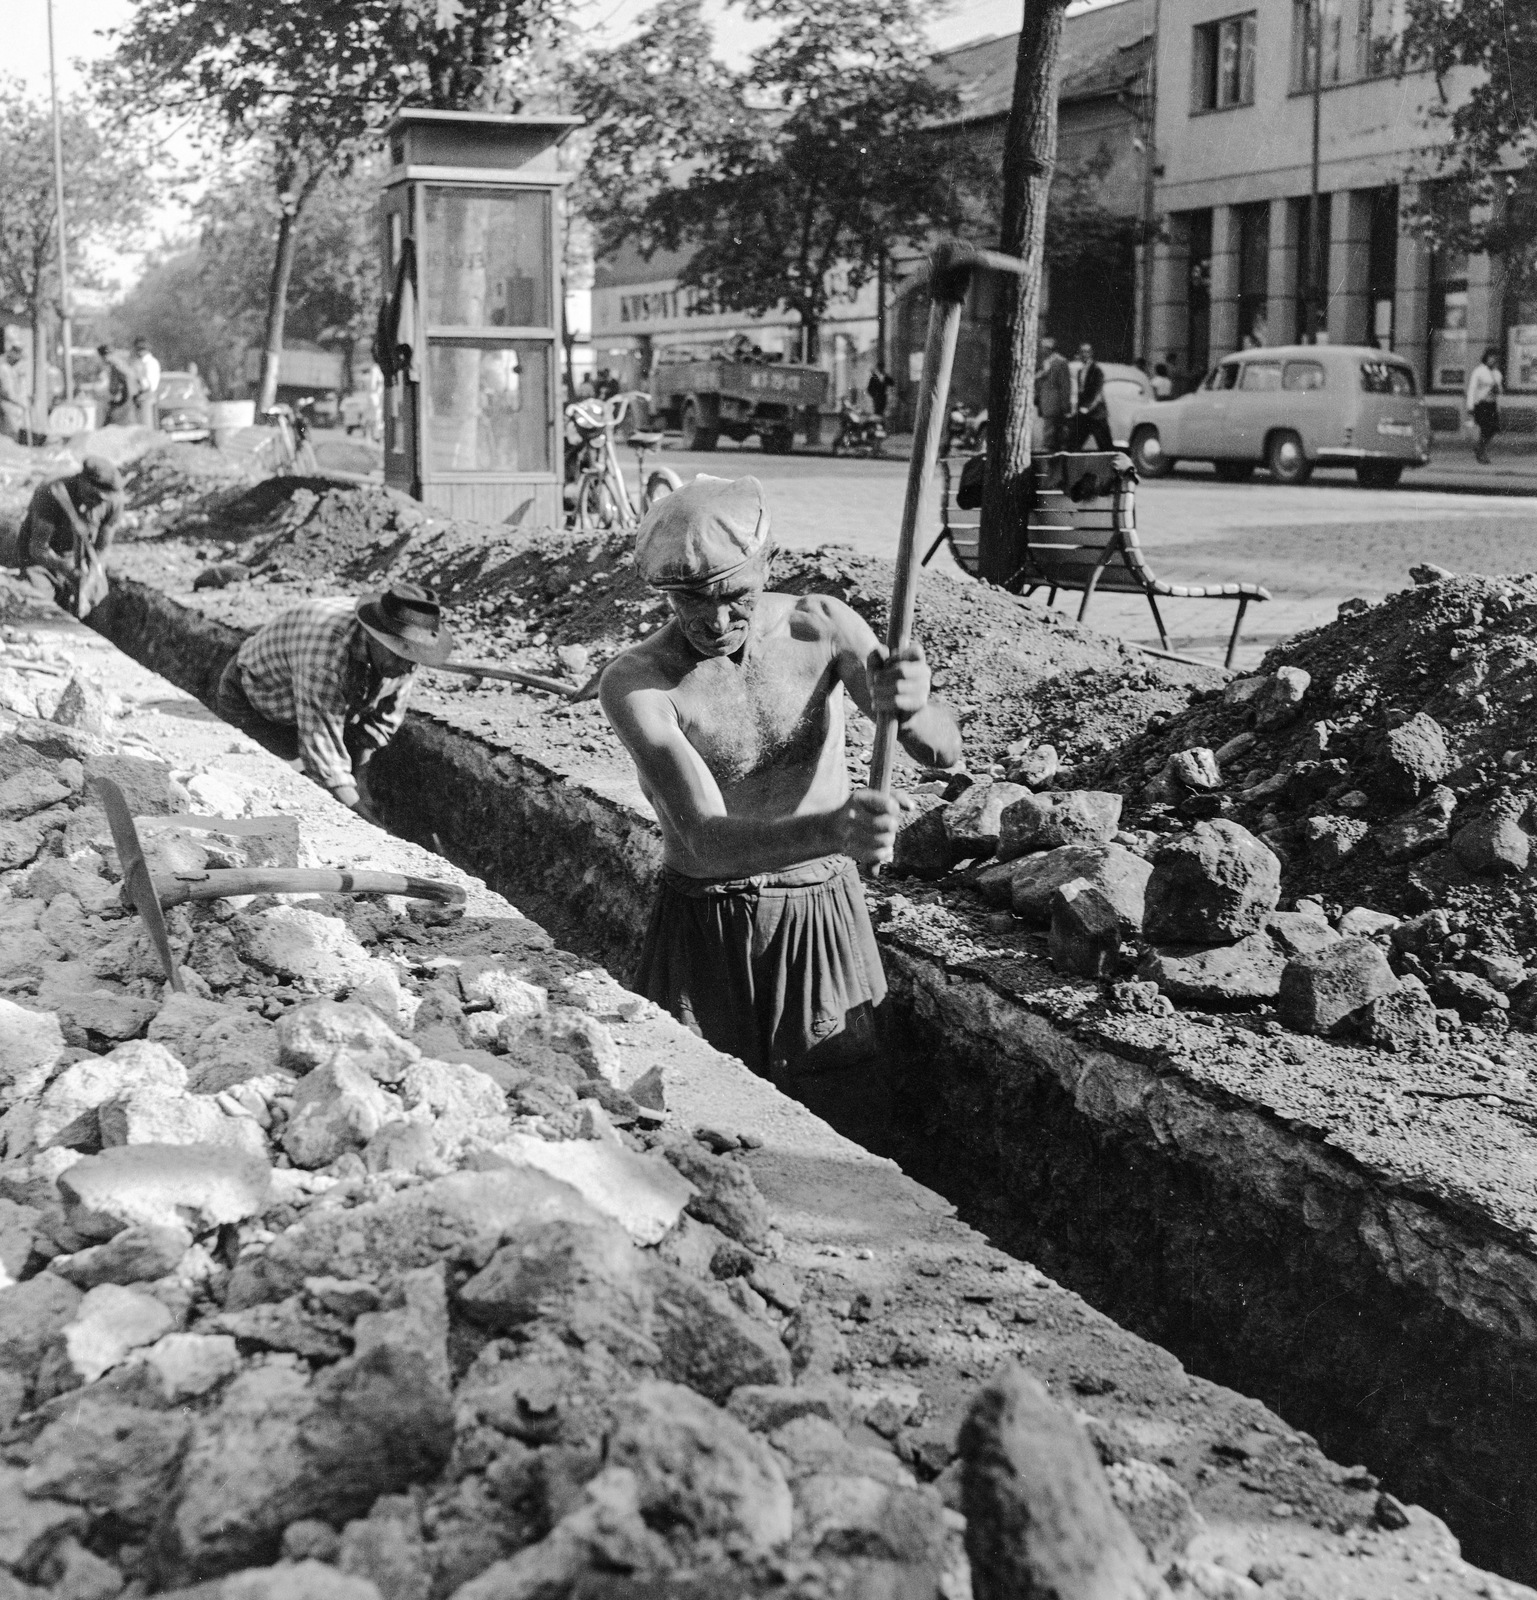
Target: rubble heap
{"points": [[370, 1266]]}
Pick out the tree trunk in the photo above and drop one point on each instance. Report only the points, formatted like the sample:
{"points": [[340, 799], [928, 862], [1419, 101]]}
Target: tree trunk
{"points": [[1029, 155], [811, 352], [277, 310]]}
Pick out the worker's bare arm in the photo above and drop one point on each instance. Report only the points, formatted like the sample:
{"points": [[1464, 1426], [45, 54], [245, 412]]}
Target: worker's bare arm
{"points": [[705, 839], [926, 727]]}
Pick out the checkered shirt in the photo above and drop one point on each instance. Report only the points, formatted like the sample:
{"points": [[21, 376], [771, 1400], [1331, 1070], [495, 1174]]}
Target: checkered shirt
{"points": [[308, 668]]}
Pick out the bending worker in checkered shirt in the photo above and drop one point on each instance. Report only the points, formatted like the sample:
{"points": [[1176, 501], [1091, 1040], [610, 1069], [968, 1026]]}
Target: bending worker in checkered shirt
{"points": [[325, 684]]}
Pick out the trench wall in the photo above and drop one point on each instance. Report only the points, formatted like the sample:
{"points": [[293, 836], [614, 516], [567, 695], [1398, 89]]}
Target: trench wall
{"points": [[1398, 1326]]}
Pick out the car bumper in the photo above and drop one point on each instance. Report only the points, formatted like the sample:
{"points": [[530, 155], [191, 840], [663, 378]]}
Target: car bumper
{"points": [[1348, 456]]}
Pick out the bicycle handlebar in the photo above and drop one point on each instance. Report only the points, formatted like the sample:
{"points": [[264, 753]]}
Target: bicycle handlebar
{"points": [[598, 414]]}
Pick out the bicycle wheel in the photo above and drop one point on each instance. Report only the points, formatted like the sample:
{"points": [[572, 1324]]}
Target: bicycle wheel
{"points": [[660, 481], [596, 506]]}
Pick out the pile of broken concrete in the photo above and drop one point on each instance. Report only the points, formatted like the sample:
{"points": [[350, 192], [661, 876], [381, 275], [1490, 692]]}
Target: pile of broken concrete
{"points": [[369, 1267]]}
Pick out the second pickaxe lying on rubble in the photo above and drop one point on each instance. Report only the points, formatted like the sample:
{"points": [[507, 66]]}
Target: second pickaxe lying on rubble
{"points": [[149, 896]]}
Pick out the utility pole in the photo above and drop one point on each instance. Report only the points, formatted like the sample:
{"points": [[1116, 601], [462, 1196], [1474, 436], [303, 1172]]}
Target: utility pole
{"points": [[1315, 300], [58, 196], [1149, 195]]}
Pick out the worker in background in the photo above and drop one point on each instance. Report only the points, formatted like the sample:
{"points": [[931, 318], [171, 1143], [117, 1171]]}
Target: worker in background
{"points": [[734, 715], [14, 405], [146, 376], [68, 529], [1053, 397], [325, 684], [120, 385]]}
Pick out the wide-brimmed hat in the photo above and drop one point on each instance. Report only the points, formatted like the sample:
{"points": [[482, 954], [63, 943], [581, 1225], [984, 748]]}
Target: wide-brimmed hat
{"points": [[407, 619], [708, 530], [99, 471]]}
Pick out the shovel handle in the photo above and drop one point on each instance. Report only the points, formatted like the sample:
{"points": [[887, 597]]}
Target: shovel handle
{"points": [[217, 882], [533, 680]]}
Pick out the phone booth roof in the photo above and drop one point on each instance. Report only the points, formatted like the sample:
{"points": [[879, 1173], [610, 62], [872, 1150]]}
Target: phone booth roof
{"points": [[504, 148]]}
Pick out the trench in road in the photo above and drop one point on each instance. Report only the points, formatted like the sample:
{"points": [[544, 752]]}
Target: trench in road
{"points": [[1209, 1225]]}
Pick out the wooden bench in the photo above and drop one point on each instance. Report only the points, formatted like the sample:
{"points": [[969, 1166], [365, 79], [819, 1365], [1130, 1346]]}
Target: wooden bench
{"points": [[1082, 537]]}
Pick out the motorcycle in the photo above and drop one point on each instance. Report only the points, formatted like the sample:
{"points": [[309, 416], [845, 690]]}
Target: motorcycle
{"points": [[858, 435], [965, 430]]}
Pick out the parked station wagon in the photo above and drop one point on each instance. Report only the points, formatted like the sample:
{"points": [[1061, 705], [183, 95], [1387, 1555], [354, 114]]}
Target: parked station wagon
{"points": [[1291, 408]]}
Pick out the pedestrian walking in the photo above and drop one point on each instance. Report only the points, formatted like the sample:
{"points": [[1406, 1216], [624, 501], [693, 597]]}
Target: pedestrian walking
{"points": [[879, 389], [145, 371], [1054, 397], [1485, 385], [1093, 414], [68, 528], [13, 397], [325, 683], [733, 713], [120, 386]]}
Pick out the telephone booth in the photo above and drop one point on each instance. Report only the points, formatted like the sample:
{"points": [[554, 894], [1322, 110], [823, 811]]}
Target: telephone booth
{"points": [[471, 323]]}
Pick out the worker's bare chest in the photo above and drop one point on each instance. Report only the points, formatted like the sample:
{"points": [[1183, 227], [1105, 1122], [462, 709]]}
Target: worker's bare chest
{"points": [[772, 712]]}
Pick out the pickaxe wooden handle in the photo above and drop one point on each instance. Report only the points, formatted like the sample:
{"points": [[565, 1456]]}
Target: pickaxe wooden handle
{"points": [[217, 882], [533, 680], [950, 272]]}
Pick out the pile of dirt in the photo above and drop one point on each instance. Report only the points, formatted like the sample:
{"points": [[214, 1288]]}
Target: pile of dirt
{"points": [[1017, 676]]}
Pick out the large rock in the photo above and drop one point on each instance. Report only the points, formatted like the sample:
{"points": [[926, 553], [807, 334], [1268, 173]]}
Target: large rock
{"points": [[29, 791], [136, 1255], [852, 1515], [580, 1277], [1118, 875], [308, 950], [1330, 839], [109, 1322], [67, 1113], [190, 1364], [159, 1115], [1493, 845], [234, 1050], [1040, 1516], [31, 1043], [1048, 821], [727, 1197], [1214, 885], [337, 1107], [21, 1235], [112, 1457], [183, 1019], [1471, 996], [1298, 933], [103, 1020], [32, 1317], [923, 848], [974, 820], [456, 1100], [1413, 758], [1231, 975], [1085, 931], [1321, 993], [699, 1470], [309, 1035], [1402, 1019], [460, 1219], [1280, 696], [705, 1341], [308, 1579], [30, 1528], [280, 1448], [193, 1186]]}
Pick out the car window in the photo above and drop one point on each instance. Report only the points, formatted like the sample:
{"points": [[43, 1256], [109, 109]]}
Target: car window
{"points": [[1261, 375], [177, 391], [1386, 377], [1227, 375], [1303, 375]]}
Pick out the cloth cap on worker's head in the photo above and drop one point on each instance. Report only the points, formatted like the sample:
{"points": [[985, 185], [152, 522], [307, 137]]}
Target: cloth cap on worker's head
{"points": [[708, 530], [99, 471], [408, 619]]}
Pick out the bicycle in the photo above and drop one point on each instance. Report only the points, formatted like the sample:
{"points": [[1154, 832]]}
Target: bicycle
{"points": [[291, 450], [603, 500]]}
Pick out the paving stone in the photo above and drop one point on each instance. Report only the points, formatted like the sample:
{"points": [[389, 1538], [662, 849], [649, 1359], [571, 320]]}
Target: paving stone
{"points": [[111, 1457], [136, 1255], [974, 820], [1215, 884], [642, 1193], [336, 1107], [699, 1469], [1493, 846], [1040, 1517], [1402, 1019], [192, 1186], [1320, 993], [1244, 974], [31, 1043], [1048, 821], [109, 1322], [726, 1198]]}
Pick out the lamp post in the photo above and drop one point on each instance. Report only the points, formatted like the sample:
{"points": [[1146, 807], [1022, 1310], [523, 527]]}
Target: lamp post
{"points": [[58, 194], [1315, 237]]}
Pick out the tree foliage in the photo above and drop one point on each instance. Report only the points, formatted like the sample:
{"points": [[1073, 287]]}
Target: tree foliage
{"points": [[108, 194], [1484, 56], [813, 158]]}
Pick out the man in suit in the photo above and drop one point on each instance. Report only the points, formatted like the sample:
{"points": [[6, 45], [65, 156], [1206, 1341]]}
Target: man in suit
{"points": [[1093, 415], [1054, 396]]}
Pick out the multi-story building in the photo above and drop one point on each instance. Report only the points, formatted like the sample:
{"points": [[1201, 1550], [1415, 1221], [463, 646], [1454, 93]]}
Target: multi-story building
{"points": [[1238, 89]]}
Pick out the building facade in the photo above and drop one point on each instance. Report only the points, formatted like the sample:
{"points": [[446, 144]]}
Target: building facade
{"points": [[1234, 147]]}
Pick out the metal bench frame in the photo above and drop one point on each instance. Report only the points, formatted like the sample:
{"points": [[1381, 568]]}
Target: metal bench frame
{"points": [[1121, 549]]}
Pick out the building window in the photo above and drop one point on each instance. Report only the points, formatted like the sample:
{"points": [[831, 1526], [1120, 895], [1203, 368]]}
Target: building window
{"points": [[1346, 40], [1223, 64]]}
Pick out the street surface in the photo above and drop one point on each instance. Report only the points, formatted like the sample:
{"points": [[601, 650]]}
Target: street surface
{"points": [[1311, 546]]}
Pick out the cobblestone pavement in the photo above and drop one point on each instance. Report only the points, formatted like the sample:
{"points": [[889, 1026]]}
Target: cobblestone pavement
{"points": [[1311, 546]]}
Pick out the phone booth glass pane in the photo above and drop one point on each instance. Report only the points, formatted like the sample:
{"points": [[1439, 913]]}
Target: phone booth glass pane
{"points": [[487, 258], [487, 407]]}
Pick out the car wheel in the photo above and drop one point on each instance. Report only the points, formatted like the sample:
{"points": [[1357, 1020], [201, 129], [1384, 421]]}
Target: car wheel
{"points": [[1235, 471], [696, 436], [1148, 456], [1287, 459], [1379, 474]]}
